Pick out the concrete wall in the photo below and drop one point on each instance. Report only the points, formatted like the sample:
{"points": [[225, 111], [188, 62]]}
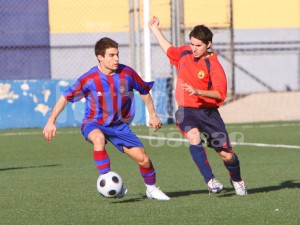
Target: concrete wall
{"points": [[263, 107]]}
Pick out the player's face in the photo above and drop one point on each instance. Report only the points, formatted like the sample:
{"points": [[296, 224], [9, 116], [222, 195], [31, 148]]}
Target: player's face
{"points": [[110, 62], [198, 47]]}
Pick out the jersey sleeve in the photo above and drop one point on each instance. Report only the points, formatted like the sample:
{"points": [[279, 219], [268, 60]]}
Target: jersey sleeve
{"points": [[141, 86], [75, 92], [219, 81], [173, 54]]}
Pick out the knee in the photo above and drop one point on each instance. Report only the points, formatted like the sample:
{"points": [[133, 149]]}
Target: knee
{"points": [[227, 157], [145, 162], [194, 136], [98, 140]]}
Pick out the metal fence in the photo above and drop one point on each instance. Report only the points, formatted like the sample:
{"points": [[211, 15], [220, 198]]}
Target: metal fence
{"points": [[43, 39]]}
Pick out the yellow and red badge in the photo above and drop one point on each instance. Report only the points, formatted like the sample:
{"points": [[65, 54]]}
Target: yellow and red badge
{"points": [[201, 74]]}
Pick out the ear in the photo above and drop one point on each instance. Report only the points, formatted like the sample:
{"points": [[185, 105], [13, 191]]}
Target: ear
{"points": [[100, 58], [209, 44]]}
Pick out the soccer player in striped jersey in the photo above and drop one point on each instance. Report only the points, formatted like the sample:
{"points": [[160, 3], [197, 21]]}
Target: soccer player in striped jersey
{"points": [[108, 91], [201, 88]]}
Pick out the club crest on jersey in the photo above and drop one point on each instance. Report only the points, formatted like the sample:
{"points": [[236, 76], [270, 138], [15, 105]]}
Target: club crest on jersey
{"points": [[201, 74], [122, 89], [99, 93]]}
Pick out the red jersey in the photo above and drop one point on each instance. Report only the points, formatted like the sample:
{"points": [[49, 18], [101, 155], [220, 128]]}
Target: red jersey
{"points": [[195, 73]]}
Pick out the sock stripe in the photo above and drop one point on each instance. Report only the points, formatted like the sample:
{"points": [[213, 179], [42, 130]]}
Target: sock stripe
{"points": [[148, 174], [102, 161], [101, 166], [149, 177], [103, 171]]}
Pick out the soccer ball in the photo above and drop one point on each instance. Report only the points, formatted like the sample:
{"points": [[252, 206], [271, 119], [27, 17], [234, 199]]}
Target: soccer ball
{"points": [[109, 184]]}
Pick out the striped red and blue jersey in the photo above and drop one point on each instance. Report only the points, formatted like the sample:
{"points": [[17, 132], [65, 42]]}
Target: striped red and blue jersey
{"points": [[109, 99]]}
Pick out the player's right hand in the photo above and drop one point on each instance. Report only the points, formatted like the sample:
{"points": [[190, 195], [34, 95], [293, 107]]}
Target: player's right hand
{"points": [[153, 22], [49, 131]]}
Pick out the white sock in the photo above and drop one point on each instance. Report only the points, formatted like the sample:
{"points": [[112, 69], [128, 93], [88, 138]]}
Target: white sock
{"points": [[150, 188]]}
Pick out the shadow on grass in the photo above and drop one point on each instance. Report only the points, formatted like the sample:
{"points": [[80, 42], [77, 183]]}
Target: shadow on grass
{"points": [[175, 194], [189, 192], [286, 184], [227, 192], [27, 167], [138, 199], [283, 185]]}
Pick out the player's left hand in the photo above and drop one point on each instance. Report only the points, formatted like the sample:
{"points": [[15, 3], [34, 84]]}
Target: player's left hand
{"points": [[49, 131], [155, 122], [188, 88]]}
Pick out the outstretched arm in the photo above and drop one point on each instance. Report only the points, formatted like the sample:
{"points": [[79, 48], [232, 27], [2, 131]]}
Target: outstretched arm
{"points": [[50, 128], [162, 41], [154, 120]]}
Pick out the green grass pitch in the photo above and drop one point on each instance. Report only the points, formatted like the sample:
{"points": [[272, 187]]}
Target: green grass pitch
{"points": [[55, 183]]}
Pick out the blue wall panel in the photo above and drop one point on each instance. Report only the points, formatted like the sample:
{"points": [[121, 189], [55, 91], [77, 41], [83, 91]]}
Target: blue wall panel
{"points": [[24, 40], [28, 104]]}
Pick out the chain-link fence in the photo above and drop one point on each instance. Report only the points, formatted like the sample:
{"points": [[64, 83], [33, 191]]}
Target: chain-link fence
{"points": [[55, 39], [74, 27]]}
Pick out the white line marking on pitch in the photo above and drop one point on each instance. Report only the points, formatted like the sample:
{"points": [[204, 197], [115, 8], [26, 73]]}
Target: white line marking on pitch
{"points": [[233, 143], [158, 138]]}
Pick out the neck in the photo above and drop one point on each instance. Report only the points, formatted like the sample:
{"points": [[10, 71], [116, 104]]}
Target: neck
{"points": [[106, 71]]}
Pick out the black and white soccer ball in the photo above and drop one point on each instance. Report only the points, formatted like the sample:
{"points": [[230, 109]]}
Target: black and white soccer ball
{"points": [[109, 184]]}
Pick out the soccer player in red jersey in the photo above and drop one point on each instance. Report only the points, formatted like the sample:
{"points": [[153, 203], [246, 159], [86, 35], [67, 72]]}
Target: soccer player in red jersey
{"points": [[108, 91], [201, 88]]}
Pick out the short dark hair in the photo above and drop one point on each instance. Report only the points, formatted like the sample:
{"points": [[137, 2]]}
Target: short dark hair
{"points": [[202, 33], [103, 44]]}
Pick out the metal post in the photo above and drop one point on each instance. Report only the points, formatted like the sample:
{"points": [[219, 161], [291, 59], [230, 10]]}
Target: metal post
{"points": [[138, 55], [173, 34], [173, 22], [177, 24], [131, 33], [232, 50], [299, 71], [147, 46], [181, 23]]}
